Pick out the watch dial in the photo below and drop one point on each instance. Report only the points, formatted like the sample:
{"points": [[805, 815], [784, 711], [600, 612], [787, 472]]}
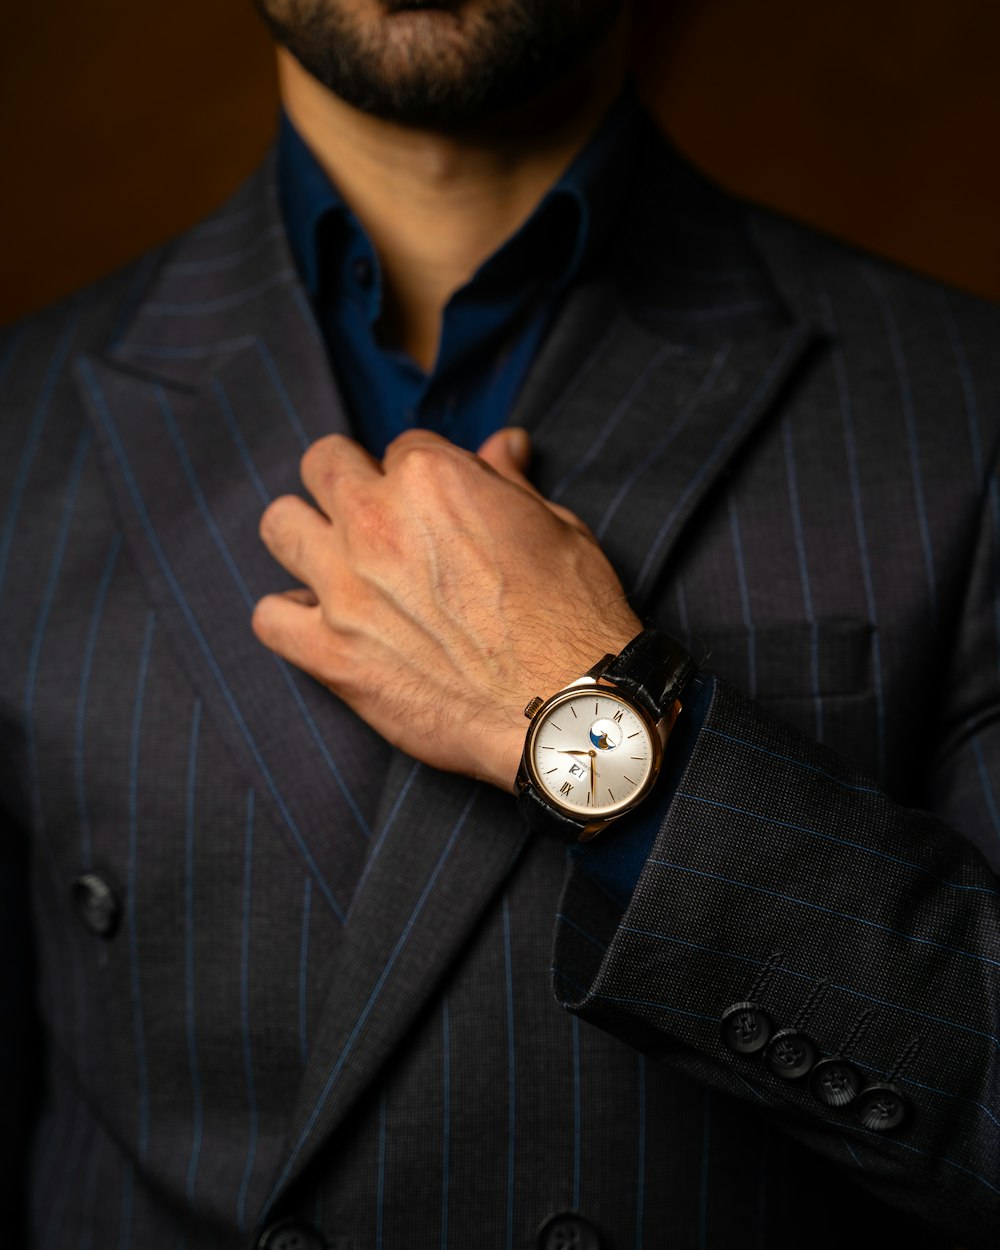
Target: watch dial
{"points": [[592, 753]]}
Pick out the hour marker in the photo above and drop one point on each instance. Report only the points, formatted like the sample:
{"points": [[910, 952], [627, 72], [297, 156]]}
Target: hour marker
{"points": [[566, 788], [617, 718], [613, 800], [588, 799], [631, 757], [595, 709], [573, 710], [636, 734], [552, 770], [548, 748], [629, 779], [554, 725]]}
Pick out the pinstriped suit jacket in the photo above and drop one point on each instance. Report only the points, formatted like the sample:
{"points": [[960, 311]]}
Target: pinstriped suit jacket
{"points": [[787, 450]]}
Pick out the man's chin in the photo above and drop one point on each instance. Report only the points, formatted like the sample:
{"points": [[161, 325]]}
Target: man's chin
{"points": [[446, 64]]}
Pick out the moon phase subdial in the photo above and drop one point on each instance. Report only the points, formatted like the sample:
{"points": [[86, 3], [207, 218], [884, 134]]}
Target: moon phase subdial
{"points": [[606, 734]]}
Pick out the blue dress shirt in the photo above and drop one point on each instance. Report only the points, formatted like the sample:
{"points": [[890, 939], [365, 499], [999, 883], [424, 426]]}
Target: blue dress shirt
{"points": [[491, 328]]}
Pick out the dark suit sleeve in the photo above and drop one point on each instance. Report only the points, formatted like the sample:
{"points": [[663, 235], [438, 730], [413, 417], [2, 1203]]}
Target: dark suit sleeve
{"points": [[782, 876]]}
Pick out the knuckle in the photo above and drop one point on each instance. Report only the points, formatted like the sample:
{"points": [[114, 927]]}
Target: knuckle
{"points": [[318, 458], [426, 465]]}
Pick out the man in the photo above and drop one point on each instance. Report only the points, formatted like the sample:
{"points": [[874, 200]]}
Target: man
{"points": [[315, 999]]}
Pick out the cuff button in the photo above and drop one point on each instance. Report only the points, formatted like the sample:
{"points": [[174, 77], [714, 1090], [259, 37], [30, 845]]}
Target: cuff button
{"points": [[881, 1108], [791, 1055], [745, 1028], [835, 1082]]}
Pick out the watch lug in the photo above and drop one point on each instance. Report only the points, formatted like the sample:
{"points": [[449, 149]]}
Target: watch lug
{"points": [[597, 672], [588, 679]]}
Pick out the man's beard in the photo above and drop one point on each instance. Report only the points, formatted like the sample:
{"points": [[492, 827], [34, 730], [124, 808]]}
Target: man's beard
{"points": [[444, 65]]}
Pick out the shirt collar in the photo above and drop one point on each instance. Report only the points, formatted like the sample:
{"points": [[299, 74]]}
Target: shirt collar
{"points": [[563, 233]]}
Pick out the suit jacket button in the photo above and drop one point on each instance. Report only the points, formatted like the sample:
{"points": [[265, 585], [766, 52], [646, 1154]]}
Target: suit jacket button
{"points": [[291, 1235], [568, 1231], [881, 1108], [791, 1054], [746, 1028], [835, 1082], [97, 905]]}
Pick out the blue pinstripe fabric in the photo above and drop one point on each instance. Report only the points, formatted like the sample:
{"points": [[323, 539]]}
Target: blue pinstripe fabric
{"points": [[912, 441], [303, 973], [803, 566], [446, 1120], [198, 1112], [248, 1062], [138, 1022], [741, 579], [787, 452], [511, 1080]]}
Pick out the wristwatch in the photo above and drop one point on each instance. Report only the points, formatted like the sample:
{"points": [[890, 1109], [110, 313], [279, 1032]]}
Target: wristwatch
{"points": [[593, 749]]}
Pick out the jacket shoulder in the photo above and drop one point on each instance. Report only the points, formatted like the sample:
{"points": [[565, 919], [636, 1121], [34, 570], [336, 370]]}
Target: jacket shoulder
{"points": [[939, 342], [817, 272]]}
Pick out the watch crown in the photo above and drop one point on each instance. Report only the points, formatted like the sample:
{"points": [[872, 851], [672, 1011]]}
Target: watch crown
{"points": [[533, 707]]}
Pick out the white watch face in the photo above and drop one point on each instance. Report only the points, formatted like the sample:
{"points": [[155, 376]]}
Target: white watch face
{"points": [[592, 754]]}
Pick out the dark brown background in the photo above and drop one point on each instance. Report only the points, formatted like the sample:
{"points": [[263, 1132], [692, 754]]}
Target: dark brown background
{"points": [[878, 120]]}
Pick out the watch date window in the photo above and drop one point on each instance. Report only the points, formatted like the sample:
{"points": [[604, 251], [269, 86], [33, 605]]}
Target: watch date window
{"points": [[577, 770]]}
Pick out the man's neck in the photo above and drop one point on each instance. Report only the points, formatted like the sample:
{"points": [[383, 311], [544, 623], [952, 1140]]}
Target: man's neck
{"points": [[434, 205]]}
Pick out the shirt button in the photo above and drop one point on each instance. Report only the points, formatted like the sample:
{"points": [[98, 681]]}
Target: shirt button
{"points": [[835, 1082], [746, 1028], [881, 1108], [97, 905], [568, 1231], [291, 1235], [362, 271]]}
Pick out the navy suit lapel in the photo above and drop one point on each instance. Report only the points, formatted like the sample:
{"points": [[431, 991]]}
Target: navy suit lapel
{"points": [[633, 423], [202, 410], [647, 431]]}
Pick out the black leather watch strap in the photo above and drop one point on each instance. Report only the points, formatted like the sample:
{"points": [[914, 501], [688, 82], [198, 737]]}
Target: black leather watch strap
{"points": [[654, 669], [543, 818]]}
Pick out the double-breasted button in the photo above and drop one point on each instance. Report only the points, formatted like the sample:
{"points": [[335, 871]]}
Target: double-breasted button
{"points": [[291, 1234], [835, 1082], [97, 904], [881, 1108], [568, 1231], [791, 1055], [745, 1028]]}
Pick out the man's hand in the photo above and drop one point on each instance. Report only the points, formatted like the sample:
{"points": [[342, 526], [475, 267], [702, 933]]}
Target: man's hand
{"points": [[441, 593]]}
